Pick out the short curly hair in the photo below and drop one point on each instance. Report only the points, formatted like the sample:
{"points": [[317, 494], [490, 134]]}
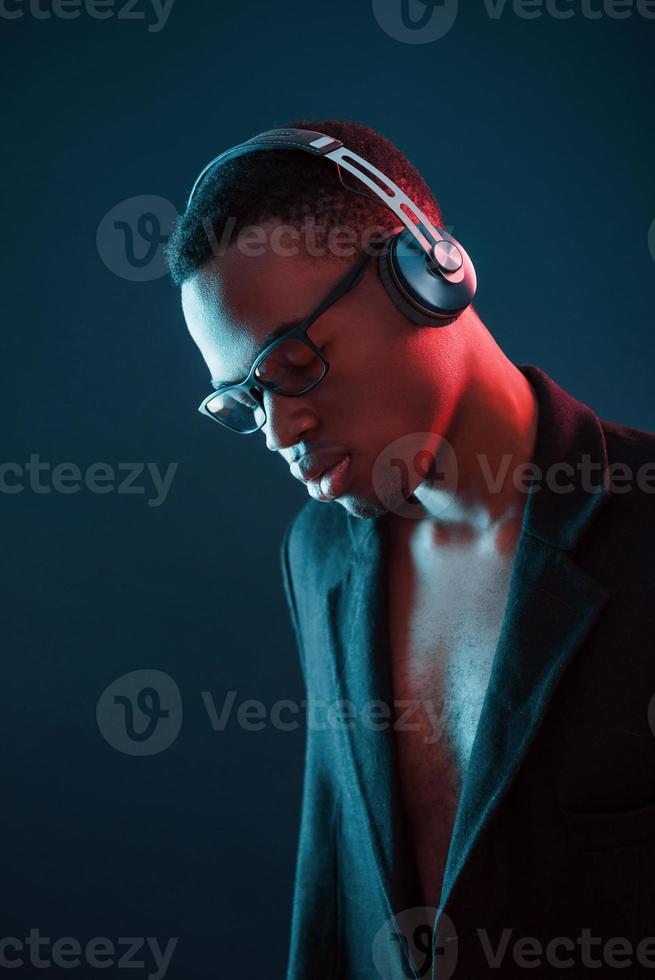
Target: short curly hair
{"points": [[291, 186]]}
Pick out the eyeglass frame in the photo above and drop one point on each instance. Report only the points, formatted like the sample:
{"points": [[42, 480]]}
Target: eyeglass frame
{"points": [[347, 282]]}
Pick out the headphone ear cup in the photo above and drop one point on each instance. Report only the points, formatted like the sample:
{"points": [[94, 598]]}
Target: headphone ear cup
{"points": [[412, 312]]}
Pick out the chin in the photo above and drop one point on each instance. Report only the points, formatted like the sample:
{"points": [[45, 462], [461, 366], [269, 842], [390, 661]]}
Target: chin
{"points": [[361, 506]]}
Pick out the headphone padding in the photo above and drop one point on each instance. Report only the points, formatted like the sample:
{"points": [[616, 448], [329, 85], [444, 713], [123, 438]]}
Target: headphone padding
{"points": [[401, 302]]}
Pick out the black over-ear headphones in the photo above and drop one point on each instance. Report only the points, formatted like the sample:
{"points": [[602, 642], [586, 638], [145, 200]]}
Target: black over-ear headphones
{"points": [[425, 271]]}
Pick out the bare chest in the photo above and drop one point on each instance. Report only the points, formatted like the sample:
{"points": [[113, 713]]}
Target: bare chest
{"points": [[445, 614]]}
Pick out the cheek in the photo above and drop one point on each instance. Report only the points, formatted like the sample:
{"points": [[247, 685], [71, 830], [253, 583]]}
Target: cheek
{"points": [[391, 384], [381, 406], [381, 383]]}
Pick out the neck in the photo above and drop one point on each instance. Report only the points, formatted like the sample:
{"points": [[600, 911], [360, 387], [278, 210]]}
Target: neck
{"points": [[472, 494]]}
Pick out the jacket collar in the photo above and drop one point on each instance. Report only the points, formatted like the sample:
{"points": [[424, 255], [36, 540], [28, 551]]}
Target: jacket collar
{"points": [[551, 606]]}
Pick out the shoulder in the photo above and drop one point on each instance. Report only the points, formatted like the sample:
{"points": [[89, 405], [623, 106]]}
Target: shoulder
{"points": [[631, 472], [625, 444], [620, 541]]}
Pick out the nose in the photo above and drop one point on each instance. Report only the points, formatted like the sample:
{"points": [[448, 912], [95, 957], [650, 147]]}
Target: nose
{"points": [[287, 420]]}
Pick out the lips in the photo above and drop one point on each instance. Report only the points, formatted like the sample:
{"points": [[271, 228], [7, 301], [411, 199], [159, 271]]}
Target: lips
{"points": [[310, 466]]}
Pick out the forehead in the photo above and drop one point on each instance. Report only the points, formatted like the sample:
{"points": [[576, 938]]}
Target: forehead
{"points": [[236, 299]]}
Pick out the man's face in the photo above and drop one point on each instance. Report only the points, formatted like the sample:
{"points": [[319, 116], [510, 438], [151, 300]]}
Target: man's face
{"points": [[388, 377]]}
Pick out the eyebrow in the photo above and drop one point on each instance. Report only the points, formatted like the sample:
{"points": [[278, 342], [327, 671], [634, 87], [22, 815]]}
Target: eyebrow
{"points": [[268, 339]]}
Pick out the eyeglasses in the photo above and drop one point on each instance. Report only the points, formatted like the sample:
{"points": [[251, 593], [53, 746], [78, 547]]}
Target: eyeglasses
{"points": [[291, 366]]}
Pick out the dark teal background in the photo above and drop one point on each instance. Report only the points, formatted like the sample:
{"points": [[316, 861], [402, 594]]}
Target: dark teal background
{"points": [[536, 136]]}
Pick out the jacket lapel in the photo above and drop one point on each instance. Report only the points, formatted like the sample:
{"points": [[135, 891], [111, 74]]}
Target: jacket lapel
{"points": [[361, 665], [551, 607]]}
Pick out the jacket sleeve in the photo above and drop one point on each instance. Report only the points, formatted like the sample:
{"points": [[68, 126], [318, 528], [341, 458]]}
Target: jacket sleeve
{"points": [[314, 946]]}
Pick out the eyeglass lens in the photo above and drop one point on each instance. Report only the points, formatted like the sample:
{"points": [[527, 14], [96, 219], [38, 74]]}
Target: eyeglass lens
{"points": [[289, 369]]}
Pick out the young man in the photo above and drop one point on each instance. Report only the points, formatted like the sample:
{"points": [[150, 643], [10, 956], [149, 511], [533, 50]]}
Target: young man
{"points": [[471, 587]]}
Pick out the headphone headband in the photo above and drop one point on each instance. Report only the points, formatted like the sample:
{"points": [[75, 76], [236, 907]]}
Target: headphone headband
{"points": [[444, 256], [272, 139]]}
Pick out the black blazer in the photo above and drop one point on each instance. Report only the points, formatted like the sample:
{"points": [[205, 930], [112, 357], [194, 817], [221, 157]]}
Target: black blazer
{"points": [[555, 828]]}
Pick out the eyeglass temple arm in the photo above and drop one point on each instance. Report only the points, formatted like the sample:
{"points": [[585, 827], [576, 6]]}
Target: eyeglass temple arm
{"points": [[350, 279]]}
